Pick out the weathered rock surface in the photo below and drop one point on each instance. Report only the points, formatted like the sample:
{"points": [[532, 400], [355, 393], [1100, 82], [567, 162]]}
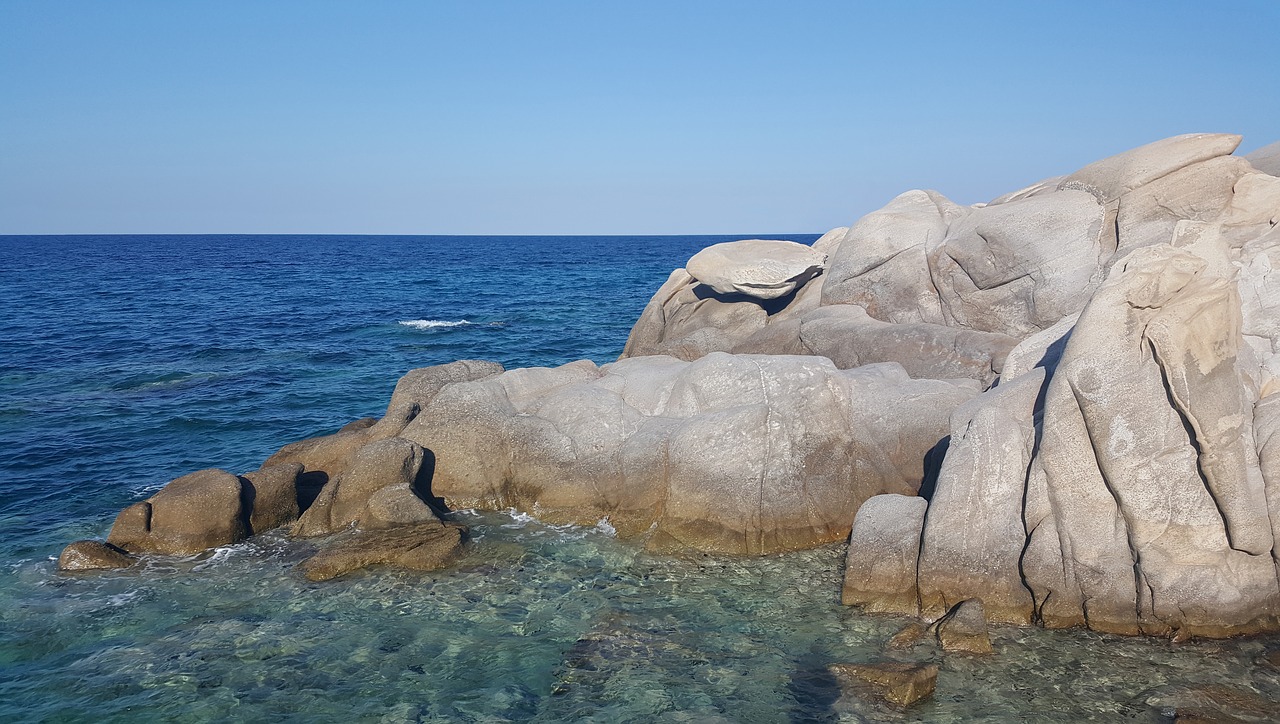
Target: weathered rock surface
{"points": [[1123, 473], [898, 683], [732, 453], [757, 268], [194, 512], [92, 555], [423, 546], [974, 536], [1114, 176]]}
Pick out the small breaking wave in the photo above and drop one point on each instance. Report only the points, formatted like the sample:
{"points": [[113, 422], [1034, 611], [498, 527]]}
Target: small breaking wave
{"points": [[434, 323]]}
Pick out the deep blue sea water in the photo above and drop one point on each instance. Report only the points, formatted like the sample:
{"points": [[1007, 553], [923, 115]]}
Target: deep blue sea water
{"points": [[126, 361]]}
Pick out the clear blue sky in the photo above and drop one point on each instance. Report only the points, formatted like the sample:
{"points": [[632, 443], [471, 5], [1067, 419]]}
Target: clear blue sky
{"points": [[590, 117]]}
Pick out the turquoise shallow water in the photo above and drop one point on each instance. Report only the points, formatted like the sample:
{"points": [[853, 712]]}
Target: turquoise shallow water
{"points": [[126, 361]]}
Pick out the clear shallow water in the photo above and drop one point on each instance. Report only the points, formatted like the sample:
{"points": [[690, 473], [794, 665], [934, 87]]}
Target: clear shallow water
{"points": [[126, 361]]}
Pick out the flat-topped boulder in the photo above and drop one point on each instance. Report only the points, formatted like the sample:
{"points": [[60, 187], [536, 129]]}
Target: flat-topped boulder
{"points": [[757, 268]]}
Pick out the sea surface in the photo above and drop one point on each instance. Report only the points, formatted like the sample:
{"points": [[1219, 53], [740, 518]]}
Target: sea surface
{"points": [[126, 361]]}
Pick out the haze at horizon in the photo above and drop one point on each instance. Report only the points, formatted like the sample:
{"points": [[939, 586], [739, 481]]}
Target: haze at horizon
{"points": [[580, 118]]}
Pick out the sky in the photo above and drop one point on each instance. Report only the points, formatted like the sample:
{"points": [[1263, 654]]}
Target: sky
{"points": [[553, 117]]}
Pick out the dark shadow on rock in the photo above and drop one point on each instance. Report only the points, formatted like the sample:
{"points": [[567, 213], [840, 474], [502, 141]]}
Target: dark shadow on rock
{"points": [[813, 689], [248, 496], [421, 485], [309, 486], [933, 467], [770, 306]]}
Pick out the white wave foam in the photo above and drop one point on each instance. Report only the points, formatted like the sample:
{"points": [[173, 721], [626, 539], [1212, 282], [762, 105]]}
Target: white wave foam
{"points": [[434, 323]]}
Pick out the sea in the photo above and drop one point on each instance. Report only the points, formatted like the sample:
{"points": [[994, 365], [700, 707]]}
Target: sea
{"points": [[126, 361]]}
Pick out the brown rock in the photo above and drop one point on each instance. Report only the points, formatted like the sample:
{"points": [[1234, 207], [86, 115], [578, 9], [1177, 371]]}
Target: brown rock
{"points": [[964, 629], [192, 513], [271, 494], [898, 683], [421, 547], [909, 636], [92, 555], [132, 526], [393, 462]]}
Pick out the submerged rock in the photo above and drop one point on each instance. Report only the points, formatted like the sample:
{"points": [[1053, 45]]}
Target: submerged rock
{"points": [[897, 683], [92, 555], [425, 546], [964, 629]]}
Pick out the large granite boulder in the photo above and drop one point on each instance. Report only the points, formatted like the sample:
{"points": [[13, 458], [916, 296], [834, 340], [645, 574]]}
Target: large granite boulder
{"points": [[1114, 176], [757, 268], [271, 496], [884, 552], [192, 513], [745, 454], [1127, 483], [881, 263]]}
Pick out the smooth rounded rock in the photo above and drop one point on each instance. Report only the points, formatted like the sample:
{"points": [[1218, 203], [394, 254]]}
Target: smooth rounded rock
{"points": [[92, 555]]}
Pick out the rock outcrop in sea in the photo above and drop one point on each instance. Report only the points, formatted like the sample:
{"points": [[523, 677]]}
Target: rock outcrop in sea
{"points": [[1057, 408]]}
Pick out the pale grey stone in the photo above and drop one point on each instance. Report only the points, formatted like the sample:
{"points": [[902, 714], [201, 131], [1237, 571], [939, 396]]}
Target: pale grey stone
{"points": [[757, 268], [1114, 176], [884, 546]]}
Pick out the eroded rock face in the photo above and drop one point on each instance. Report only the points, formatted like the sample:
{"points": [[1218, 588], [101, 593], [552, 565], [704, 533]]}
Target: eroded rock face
{"points": [[1125, 484], [744, 454]]}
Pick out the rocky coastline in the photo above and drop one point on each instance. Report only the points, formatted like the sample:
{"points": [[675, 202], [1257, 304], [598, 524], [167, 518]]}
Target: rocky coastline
{"points": [[1056, 408]]}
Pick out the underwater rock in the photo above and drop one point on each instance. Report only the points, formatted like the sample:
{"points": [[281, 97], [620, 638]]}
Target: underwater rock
{"points": [[898, 683], [426, 546], [910, 635], [1211, 704], [92, 555], [964, 629]]}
